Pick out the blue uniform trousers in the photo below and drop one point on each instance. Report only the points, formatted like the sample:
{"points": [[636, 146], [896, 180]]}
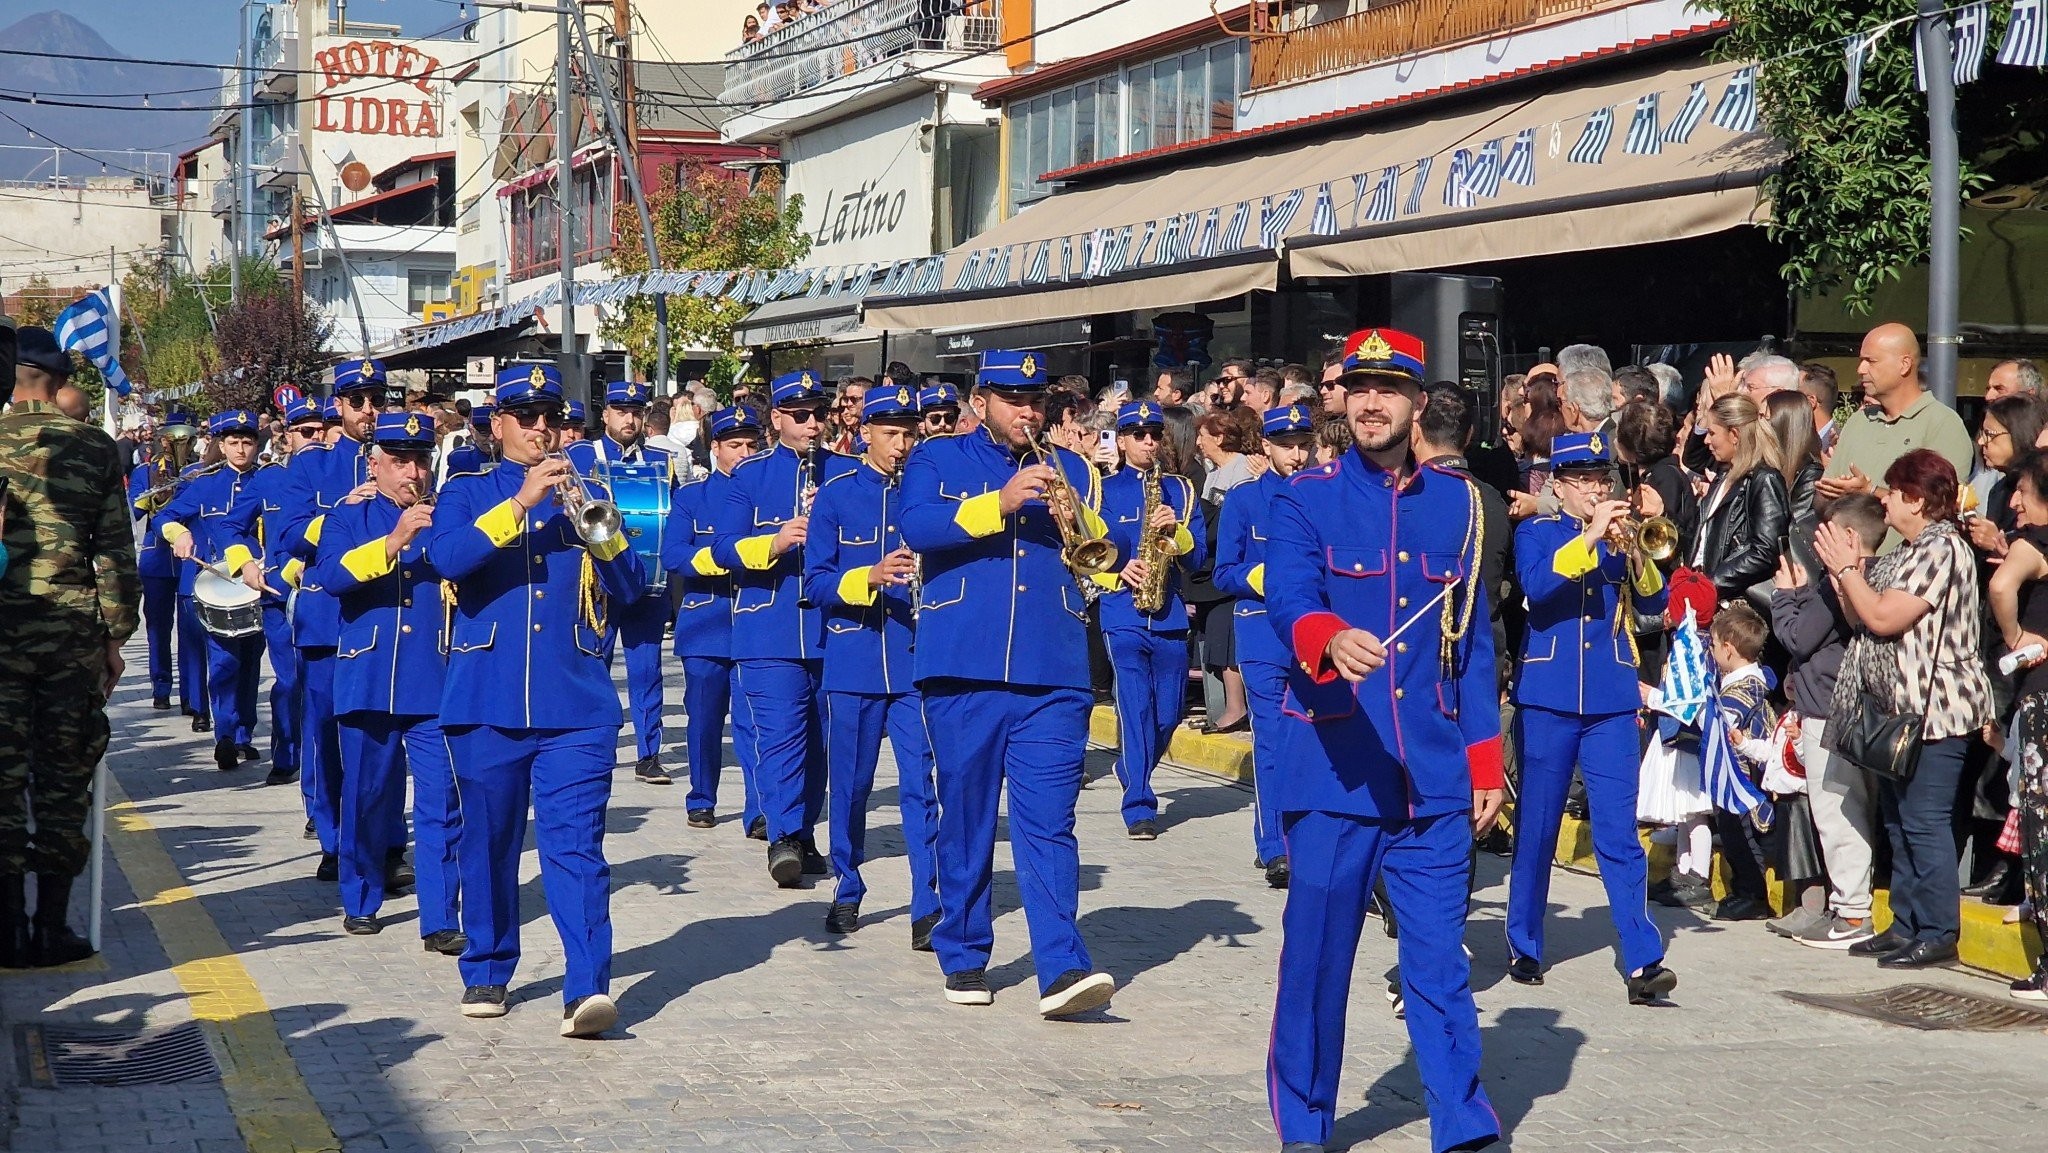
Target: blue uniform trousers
{"points": [[159, 620], [708, 697], [285, 702], [567, 775], [192, 658], [1335, 859], [381, 750], [1265, 686], [1151, 688], [985, 733], [320, 748], [789, 743], [234, 671], [854, 724], [1606, 750], [640, 628]]}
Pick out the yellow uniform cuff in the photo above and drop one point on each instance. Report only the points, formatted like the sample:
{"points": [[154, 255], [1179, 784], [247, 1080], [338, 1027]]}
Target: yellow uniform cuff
{"points": [[1575, 559], [367, 561], [757, 552], [610, 549], [293, 570], [704, 565], [313, 528], [1648, 581], [1257, 578], [1109, 581], [980, 516], [173, 532], [236, 556], [1183, 540], [502, 524], [854, 588], [1092, 524]]}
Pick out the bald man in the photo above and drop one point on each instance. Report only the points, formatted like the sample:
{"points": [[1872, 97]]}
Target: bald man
{"points": [[73, 402], [1899, 416]]}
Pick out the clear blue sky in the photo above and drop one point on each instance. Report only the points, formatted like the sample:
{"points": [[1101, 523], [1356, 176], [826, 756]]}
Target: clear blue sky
{"points": [[204, 30]]}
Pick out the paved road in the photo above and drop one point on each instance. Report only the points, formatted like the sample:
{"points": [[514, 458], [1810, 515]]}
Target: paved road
{"points": [[745, 1027]]}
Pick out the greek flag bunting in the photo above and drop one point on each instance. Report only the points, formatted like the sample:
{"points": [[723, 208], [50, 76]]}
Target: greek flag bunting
{"points": [[1386, 196], [1593, 138], [1643, 137], [1164, 253], [1414, 204], [1737, 110], [2026, 36], [863, 279], [997, 272], [970, 272], [1322, 220], [1968, 33], [1066, 258], [1183, 247], [1205, 241], [1520, 166], [1358, 195], [1854, 54], [819, 280], [1240, 223], [1276, 218], [931, 277], [1457, 188], [84, 327], [1483, 178], [1038, 267], [1136, 257], [1689, 116], [712, 285]]}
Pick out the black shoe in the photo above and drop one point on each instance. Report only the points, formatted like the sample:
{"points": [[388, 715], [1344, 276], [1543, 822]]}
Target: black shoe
{"points": [[1525, 971], [1278, 873], [1994, 878], [284, 775], [161, 704], [2011, 890], [224, 757], [648, 771], [249, 752], [921, 932], [483, 1001], [51, 941], [1302, 1147], [1146, 830], [844, 917], [447, 942], [969, 987], [398, 876], [330, 868], [1653, 984], [361, 926], [1889, 941], [1919, 955], [1740, 908], [1076, 991], [758, 831], [815, 864], [202, 724], [1498, 841], [14, 932], [1241, 724], [1575, 807], [703, 819], [309, 833], [786, 862]]}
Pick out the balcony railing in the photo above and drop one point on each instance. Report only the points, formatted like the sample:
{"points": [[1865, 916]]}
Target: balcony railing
{"points": [[1399, 28], [277, 60], [276, 151], [818, 49], [223, 201]]}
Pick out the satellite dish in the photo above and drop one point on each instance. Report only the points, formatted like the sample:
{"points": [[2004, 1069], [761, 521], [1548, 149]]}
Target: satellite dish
{"points": [[355, 176]]}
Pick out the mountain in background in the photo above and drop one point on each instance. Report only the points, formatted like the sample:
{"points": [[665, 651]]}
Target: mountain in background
{"points": [[175, 120]]}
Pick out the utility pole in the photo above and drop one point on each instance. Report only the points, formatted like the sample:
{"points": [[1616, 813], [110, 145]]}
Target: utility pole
{"points": [[622, 31], [245, 154], [565, 194], [629, 164], [1944, 221], [298, 249]]}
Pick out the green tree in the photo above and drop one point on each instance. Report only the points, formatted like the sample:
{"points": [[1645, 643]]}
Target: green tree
{"points": [[1850, 204], [710, 220]]}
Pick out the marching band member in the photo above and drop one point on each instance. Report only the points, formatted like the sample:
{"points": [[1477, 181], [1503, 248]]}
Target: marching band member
{"points": [[1002, 661], [330, 416], [1391, 751], [476, 456], [1148, 646], [857, 566], [940, 409], [1241, 571], [158, 568], [1577, 699], [389, 670], [640, 624], [194, 691], [258, 512], [761, 534], [703, 628], [196, 524], [529, 709], [578, 426]]}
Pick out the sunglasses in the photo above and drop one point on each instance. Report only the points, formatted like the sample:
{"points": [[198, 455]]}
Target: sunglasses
{"points": [[308, 430], [529, 418], [802, 415], [1146, 434], [357, 400], [942, 418]]}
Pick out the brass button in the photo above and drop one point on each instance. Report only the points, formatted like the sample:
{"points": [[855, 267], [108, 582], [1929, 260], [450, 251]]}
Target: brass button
{"points": [[405, 572], [1400, 694], [405, 602], [1401, 647], [540, 594], [1310, 714], [405, 628], [1357, 568], [1403, 557], [1386, 482], [1589, 644], [1020, 552], [538, 560], [536, 628], [1404, 602], [1020, 588]]}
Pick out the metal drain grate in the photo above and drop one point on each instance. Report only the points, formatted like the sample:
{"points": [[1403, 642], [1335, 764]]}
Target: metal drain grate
{"points": [[1927, 1007], [59, 1055]]}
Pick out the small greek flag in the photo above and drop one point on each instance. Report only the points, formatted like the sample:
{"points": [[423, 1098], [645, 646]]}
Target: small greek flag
{"points": [[1594, 138], [2026, 36], [1643, 137], [1968, 33], [1721, 774], [1038, 269], [1737, 110], [1386, 196], [1358, 195], [83, 327], [863, 281], [712, 285], [1682, 693], [1184, 248], [1520, 166], [1136, 257], [932, 277], [1689, 117], [1113, 261], [1205, 242], [1457, 188], [1276, 218], [820, 281], [1066, 258], [1165, 254], [1414, 204], [1483, 178], [998, 270], [1322, 220], [970, 272], [1240, 223], [1853, 58]]}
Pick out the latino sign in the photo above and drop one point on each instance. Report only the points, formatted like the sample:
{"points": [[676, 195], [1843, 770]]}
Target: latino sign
{"points": [[377, 88]]}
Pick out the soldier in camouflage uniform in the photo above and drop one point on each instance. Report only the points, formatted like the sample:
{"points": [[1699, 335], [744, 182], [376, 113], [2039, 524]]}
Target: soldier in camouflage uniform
{"points": [[69, 598]]}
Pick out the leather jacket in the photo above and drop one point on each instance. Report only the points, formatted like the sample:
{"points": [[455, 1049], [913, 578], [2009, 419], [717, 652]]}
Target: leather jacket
{"points": [[1742, 532]]}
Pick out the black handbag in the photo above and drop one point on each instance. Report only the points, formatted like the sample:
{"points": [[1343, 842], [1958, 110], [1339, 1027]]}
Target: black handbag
{"points": [[1880, 741]]}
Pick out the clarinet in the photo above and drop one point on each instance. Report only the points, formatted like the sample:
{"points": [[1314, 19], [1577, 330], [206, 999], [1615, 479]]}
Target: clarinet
{"points": [[808, 470]]}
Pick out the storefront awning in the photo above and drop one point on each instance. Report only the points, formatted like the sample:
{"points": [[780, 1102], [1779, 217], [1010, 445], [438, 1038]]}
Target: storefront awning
{"points": [[799, 320], [1702, 183]]}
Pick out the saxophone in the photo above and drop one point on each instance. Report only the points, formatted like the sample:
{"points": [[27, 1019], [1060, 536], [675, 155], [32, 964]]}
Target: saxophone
{"points": [[1154, 548]]}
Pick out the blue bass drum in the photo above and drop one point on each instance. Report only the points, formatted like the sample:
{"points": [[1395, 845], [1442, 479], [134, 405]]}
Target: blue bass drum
{"points": [[642, 493]]}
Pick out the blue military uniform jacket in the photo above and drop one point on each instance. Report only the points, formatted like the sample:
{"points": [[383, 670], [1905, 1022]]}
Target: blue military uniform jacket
{"points": [[857, 521], [1123, 509], [1577, 656], [153, 559], [315, 481], [768, 617], [999, 604], [391, 656], [1349, 547], [469, 460], [202, 508], [521, 652], [703, 589], [1241, 567]]}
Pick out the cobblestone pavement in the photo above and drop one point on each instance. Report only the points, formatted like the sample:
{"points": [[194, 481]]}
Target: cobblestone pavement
{"points": [[744, 1026]]}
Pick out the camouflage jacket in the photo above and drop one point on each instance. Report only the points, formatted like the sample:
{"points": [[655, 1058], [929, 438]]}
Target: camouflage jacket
{"points": [[70, 545]]}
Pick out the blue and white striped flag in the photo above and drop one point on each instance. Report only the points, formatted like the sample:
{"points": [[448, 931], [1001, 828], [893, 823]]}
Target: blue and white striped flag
{"points": [[1386, 196], [1184, 247], [821, 280], [1854, 56], [1322, 220], [1095, 252], [1000, 277], [1135, 258], [1483, 178], [1643, 137], [1414, 203], [1240, 223], [2026, 36], [1721, 775], [1968, 34], [1737, 110], [970, 272], [863, 281], [1168, 242], [933, 277], [1682, 693], [1457, 186], [1520, 166], [1681, 127], [1358, 195], [84, 327], [1116, 246], [1038, 268], [1066, 258], [1593, 139], [1276, 218], [1205, 241]]}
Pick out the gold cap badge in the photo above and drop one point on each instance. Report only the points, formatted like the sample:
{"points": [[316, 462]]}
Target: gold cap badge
{"points": [[1029, 367], [808, 383], [1294, 414], [1375, 347], [412, 425], [538, 377], [902, 396], [1593, 444]]}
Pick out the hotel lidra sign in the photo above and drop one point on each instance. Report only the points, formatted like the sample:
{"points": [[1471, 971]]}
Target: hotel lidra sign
{"points": [[377, 88]]}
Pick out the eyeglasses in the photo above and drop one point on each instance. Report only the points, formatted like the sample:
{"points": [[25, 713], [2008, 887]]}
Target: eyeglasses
{"points": [[358, 399], [1986, 435], [307, 430], [801, 415], [942, 418], [529, 418], [1583, 479], [1146, 434]]}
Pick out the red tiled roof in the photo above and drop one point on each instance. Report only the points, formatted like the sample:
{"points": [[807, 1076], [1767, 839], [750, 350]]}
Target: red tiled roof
{"points": [[414, 162], [343, 210]]}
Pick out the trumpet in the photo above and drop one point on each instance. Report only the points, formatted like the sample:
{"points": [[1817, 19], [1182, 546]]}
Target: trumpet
{"points": [[1652, 538], [1084, 556], [596, 521]]}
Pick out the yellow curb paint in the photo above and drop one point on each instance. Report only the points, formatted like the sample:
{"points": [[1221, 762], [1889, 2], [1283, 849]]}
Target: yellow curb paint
{"points": [[272, 1105], [1218, 755]]}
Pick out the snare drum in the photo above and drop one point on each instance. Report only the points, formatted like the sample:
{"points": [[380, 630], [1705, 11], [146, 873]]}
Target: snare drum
{"points": [[642, 493], [226, 607]]}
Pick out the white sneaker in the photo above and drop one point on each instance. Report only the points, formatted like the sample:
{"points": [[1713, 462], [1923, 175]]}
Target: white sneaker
{"points": [[1076, 992], [1835, 932], [589, 1016]]}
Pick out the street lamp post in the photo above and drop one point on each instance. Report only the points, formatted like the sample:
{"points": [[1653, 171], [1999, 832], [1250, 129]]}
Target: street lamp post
{"points": [[1944, 219]]}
